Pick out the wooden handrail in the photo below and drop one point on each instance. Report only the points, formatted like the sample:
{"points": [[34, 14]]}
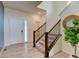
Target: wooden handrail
{"points": [[48, 48], [35, 41], [40, 37], [46, 45], [54, 26], [40, 27]]}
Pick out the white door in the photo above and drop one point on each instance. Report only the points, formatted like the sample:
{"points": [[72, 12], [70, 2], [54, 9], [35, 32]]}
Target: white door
{"points": [[16, 29]]}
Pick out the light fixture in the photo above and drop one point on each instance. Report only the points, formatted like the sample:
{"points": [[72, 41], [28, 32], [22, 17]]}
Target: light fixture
{"points": [[69, 2]]}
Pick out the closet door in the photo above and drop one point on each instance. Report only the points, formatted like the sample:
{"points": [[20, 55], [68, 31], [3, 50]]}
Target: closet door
{"points": [[16, 27]]}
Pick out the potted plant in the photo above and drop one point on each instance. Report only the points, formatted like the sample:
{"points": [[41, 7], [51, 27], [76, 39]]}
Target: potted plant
{"points": [[72, 35]]}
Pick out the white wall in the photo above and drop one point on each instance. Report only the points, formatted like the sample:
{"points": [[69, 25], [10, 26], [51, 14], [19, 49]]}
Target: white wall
{"points": [[52, 18], [11, 15], [34, 22], [48, 6], [73, 9], [53, 9], [59, 6], [37, 21], [1, 25]]}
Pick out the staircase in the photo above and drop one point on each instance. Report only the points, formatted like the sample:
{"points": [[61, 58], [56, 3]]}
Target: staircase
{"points": [[45, 41], [41, 43]]}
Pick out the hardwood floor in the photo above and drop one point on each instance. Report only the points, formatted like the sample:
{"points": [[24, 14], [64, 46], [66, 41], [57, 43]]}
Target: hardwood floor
{"points": [[26, 51]]}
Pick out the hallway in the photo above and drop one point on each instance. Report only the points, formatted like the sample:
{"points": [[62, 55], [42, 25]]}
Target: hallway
{"points": [[21, 51], [39, 23]]}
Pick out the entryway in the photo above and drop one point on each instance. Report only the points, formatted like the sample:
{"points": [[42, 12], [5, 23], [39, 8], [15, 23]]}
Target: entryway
{"points": [[15, 27]]}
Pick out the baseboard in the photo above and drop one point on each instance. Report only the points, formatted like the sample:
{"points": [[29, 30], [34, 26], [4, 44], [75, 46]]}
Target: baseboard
{"points": [[2, 50], [56, 53]]}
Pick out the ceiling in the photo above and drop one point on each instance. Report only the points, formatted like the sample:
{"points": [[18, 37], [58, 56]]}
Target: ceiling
{"points": [[27, 6]]}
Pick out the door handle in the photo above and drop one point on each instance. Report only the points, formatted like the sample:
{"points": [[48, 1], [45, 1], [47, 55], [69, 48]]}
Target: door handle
{"points": [[21, 30]]}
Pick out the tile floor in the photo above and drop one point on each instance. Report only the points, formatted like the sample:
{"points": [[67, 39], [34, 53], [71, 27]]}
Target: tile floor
{"points": [[27, 51]]}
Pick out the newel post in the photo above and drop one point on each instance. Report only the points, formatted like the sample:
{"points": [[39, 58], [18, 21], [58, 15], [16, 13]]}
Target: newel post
{"points": [[46, 45], [34, 39]]}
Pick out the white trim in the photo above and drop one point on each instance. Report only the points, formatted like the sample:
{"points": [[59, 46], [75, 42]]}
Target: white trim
{"points": [[68, 4]]}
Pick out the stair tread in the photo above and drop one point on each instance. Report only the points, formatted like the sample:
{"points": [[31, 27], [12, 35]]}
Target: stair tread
{"points": [[53, 34], [40, 48], [51, 38], [49, 41], [41, 44], [55, 41]]}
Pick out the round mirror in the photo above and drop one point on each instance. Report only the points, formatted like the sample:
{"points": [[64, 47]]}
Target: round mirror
{"points": [[68, 21]]}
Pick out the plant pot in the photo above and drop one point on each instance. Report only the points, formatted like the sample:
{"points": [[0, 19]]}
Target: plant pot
{"points": [[74, 56]]}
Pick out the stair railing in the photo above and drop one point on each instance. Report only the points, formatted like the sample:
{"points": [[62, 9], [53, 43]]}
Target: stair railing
{"points": [[39, 33], [55, 30]]}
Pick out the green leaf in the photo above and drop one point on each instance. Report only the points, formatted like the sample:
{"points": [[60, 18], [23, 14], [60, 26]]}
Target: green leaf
{"points": [[72, 33]]}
